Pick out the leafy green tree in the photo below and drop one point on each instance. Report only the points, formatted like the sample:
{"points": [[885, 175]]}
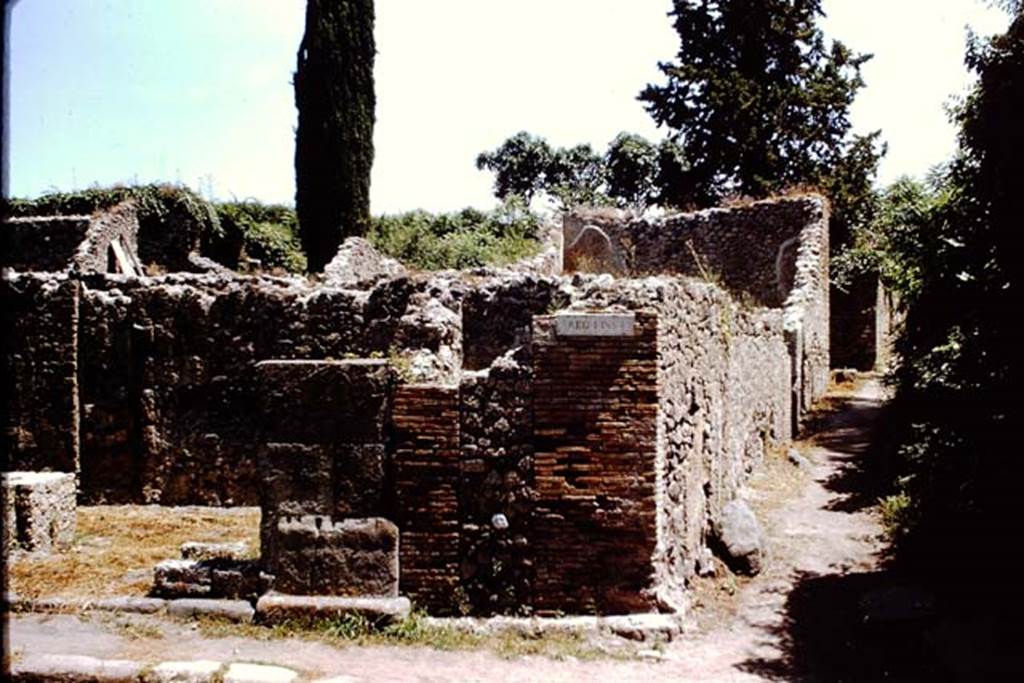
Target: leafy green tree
{"points": [[632, 172], [335, 98], [759, 100], [520, 165], [575, 176], [672, 188], [632, 166]]}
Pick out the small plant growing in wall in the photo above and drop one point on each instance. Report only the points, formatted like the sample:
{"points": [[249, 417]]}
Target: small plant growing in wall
{"points": [[401, 364]]}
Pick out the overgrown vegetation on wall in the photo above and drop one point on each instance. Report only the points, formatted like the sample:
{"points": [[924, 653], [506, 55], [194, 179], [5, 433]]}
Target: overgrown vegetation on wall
{"points": [[251, 231], [155, 204], [249, 236]]}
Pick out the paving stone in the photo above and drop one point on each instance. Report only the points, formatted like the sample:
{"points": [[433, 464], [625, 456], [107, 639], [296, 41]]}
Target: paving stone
{"points": [[131, 604], [233, 610], [199, 671], [241, 672], [73, 668], [274, 608]]}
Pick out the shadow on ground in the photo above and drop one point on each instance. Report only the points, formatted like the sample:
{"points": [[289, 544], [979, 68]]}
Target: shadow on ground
{"points": [[851, 435], [891, 624]]}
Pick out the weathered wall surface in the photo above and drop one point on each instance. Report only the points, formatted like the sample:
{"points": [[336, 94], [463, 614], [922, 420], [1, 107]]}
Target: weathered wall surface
{"points": [[41, 243], [806, 310], [526, 470], [111, 244], [770, 253], [322, 432], [724, 397], [497, 494], [498, 315], [595, 434], [40, 321], [164, 370], [73, 243]]}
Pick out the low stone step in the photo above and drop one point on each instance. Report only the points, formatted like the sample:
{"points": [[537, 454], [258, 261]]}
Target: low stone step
{"points": [[275, 608]]}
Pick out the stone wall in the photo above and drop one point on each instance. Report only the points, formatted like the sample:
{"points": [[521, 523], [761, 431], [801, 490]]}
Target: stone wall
{"points": [[322, 432], [40, 318], [526, 469], [497, 494], [106, 242], [769, 253], [163, 371], [724, 398], [41, 243], [497, 314]]}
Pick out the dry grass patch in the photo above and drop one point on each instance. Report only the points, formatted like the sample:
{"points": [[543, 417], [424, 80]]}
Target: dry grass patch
{"points": [[117, 546]]}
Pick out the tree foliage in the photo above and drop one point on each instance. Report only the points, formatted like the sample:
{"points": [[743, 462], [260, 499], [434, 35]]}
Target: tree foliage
{"points": [[949, 250], [334, 94], [519, 164], [628, 174], [632, 167], [759, 101]]}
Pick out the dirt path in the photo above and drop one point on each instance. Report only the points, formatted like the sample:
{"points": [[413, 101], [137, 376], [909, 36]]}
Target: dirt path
{"points": [[794, 621]]}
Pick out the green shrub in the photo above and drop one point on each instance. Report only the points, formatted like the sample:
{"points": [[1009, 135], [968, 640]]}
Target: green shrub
{"points": [[265, 232], [465, 239]]}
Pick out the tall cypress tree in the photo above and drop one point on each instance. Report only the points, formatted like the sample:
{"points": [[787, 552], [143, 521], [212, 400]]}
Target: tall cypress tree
{"points": [[334, 139]]}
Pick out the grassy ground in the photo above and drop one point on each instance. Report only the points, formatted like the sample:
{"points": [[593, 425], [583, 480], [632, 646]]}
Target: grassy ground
{"points": [[117, 546]]}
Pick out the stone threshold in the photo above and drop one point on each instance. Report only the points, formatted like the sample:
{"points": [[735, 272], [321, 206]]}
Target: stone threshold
{"points": [[643, 627], [274, 607], [233, 610]]}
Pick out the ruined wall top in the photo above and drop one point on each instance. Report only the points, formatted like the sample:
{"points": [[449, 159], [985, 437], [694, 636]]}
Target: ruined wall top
{"points": [[751, 249]]}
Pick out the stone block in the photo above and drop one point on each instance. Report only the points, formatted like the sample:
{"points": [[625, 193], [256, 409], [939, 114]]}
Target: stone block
{"points": [[232, 610], [10, 520], [180, 578], [740, 538], [297, 480], [354, 557], [47, 667], [43, 512], [275, 608], [216, 578], [131, 604], [193, 550], [337, 480]]}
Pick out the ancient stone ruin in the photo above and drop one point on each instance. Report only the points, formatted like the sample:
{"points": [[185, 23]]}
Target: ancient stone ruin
{"points": [[561, 436]]}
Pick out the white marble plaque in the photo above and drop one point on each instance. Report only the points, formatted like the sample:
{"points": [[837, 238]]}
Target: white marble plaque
{"points": [[595, 324]]}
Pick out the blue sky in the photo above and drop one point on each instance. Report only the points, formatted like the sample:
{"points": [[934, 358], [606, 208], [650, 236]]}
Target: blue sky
{"points": [[199, 91]]}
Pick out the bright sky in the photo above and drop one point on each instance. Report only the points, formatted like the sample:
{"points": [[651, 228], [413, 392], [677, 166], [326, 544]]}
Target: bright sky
{"points": [[199, 91]]}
